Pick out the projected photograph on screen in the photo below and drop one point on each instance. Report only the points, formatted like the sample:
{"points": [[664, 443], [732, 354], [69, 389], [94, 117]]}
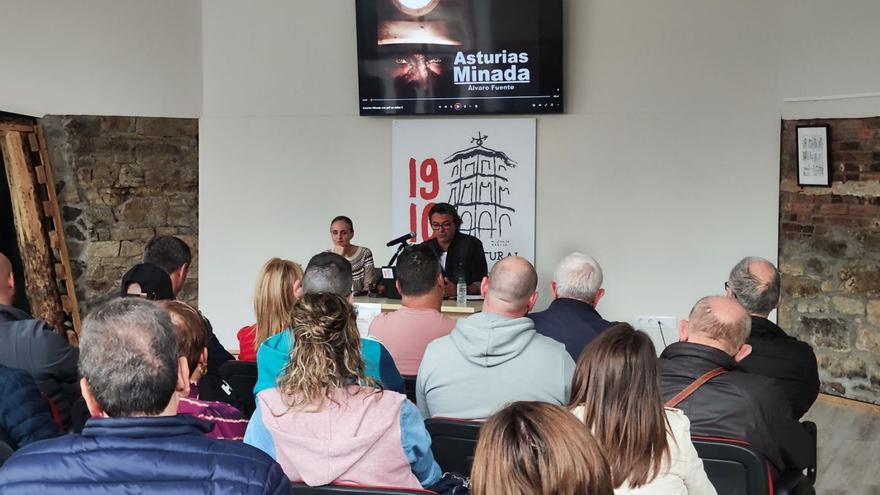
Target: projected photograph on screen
{"points": [[459, 56]]}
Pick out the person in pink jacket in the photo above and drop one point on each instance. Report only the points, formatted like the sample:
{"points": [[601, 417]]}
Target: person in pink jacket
{"points": [[616, 393], [326, 421]]}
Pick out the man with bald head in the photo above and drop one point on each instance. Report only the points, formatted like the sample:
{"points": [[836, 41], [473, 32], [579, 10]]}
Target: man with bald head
{"points": [[754, 282], [732, 403], [30, 344], [496, 356]]}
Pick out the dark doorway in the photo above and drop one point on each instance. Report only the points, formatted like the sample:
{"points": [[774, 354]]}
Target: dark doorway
{"points": [[9, 239]]}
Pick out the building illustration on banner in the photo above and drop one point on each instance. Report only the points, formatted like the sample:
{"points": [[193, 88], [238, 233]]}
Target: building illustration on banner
{"points": [[480, 188]]}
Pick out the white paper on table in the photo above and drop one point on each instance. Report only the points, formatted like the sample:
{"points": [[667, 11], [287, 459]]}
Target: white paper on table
{"points": [[366, 312]]}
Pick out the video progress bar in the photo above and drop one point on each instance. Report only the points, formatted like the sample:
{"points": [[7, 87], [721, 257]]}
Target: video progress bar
{"points": [[460, 98]]}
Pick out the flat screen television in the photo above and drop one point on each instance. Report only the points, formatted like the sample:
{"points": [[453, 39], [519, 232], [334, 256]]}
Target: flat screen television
{"points": [[453, 57]]}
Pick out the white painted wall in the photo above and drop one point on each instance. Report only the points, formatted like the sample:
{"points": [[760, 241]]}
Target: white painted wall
{"points": [[664, 167], [101, 57]]}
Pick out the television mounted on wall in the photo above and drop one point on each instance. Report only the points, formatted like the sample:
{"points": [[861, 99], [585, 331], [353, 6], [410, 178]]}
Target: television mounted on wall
{"points": [[459, 57]]}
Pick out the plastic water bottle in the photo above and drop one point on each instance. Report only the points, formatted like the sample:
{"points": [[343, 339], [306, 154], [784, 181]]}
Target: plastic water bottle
{"points": [[461, 291]]}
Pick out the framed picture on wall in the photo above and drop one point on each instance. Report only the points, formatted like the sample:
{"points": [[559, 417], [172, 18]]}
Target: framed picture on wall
{"points": [[813, 160]]}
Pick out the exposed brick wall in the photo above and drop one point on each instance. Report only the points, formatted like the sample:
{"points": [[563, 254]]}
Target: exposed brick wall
{"points": [[829, 255], [120, 181]]}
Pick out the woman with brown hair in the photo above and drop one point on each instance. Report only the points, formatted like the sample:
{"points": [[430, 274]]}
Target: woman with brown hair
{"points": [[535, 448], [273, 300], [616, 393], [326, 421], [192, 340]]}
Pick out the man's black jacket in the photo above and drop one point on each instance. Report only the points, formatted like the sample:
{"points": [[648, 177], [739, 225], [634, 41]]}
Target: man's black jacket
{"points": [[736, 405], [786, 359]]}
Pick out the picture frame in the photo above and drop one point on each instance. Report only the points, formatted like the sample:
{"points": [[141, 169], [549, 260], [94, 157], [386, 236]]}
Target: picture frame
{"points": [[814, 163]]}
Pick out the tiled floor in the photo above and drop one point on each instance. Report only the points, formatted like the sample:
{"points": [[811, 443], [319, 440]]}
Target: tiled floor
{"points": [[849, 448]]}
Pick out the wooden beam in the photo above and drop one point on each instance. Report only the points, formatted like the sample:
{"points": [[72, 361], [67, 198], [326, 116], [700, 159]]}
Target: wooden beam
{"points": [[856, 404], [9, 127], [40, 284], [57, 240]]}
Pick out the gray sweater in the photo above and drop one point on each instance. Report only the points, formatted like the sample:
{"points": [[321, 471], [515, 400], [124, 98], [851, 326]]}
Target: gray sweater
{"points": [[488, 361]]}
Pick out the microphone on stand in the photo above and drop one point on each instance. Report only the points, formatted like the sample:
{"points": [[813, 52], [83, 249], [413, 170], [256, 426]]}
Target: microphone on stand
{"points": [[401, 239]]}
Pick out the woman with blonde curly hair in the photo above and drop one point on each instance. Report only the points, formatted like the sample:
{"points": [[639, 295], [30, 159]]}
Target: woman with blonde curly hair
{"points": [[326, 421], [535, 448], [273, 300]]}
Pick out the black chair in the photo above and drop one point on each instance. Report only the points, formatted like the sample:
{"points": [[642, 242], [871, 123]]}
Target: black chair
{"points": [[5, 452], [734, 468], [409, 383], [300, 488], [240, 377], [453, 442]]}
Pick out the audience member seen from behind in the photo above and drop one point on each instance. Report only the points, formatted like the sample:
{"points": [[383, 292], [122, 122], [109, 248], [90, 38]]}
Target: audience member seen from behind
{"points": [[461, 255], [327, 421], [408, 331], [326, 273], [534, 448], [273, 300], [494, 357], [135, 442], [25, 416], [572, 317], [734, 404], [174, 256], [754, 282], [363, 271], [192, 336], [616, 393], [148, 281], [30, 344]]}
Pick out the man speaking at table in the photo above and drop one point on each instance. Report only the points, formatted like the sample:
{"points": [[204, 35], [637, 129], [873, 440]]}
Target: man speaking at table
{"points": [[461, 255]]}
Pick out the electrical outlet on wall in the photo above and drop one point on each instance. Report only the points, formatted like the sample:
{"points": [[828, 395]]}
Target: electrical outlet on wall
{"points": [[663, 330]]}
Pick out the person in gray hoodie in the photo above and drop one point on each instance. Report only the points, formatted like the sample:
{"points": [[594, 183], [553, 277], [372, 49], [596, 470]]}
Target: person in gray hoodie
{"points": [[495, 357]]}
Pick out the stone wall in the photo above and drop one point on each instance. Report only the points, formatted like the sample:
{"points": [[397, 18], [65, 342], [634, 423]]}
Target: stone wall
{"points": [[829, 255], [120, 181]]}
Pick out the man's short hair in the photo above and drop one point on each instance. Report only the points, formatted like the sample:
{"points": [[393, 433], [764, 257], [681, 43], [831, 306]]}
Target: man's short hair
{"points": [[417, 270], [703, 320], [757, 296], [128, 354], [445, 209], [578, 276], [168, 252], [327, 272]]}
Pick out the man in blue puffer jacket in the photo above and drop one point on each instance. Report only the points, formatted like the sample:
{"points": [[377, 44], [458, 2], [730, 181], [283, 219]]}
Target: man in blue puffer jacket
{"points": [[24, 413], [135, 442]]}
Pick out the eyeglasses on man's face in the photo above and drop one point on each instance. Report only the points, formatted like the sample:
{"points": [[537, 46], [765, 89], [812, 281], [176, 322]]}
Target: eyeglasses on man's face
{"points": [[443, 226]]}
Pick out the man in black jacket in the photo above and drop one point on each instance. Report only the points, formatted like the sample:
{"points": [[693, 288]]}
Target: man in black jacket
{"points": [[572, 318], [754, 283], [734, 404], [30, 344]]}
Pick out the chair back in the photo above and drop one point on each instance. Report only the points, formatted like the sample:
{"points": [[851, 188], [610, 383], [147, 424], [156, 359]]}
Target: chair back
{"points": [[733, 467], [300, 488], [409, 383], [453, 442], [240, 377]]}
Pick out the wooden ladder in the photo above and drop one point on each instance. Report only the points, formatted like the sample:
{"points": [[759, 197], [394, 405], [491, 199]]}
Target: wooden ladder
{"points": [[38, 218]]}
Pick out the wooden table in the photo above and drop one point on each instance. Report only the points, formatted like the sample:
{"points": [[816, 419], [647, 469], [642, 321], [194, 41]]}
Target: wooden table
{"points": [[449, 308]]}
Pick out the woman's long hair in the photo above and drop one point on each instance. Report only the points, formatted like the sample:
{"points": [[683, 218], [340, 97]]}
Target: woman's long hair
{"points": [[273, 298], [326, 354], [617, 380], [535, 448]]}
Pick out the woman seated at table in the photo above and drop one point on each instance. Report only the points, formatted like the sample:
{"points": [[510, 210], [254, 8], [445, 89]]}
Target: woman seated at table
{"points": [[326, 421], [616, 393], [363, 273], [192, 340], [273, 299]]}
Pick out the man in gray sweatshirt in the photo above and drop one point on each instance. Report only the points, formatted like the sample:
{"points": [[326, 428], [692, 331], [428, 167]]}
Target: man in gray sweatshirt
{"points": [[495, 357]]}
